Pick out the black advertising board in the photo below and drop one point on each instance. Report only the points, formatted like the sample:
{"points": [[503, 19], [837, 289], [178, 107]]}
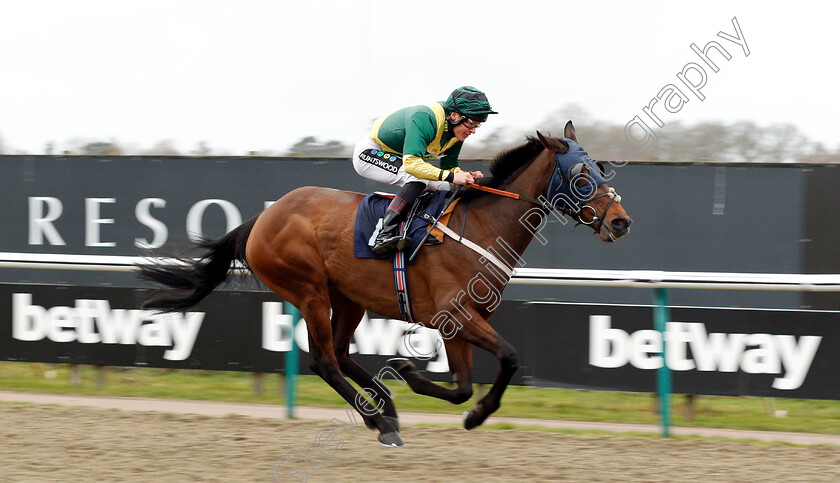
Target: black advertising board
{"points": [[686, 217], [779, 353], [722, 351], [104, 326]]}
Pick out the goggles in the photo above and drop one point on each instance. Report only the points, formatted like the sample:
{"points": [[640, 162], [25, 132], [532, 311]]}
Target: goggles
{"points": [[471, 123], [468, 121]]}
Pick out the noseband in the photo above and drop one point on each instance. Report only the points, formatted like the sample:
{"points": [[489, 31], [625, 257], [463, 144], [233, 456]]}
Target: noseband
{"points": [[577, 214]]}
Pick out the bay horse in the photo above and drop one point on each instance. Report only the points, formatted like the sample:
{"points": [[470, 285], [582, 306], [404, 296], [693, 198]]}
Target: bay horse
{"points": [[301, 248]]}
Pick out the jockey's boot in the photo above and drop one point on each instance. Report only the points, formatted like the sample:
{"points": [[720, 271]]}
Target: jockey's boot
{"points": [[388, 238]]}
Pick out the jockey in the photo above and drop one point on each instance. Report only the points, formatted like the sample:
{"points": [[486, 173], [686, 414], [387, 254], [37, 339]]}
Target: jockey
{"points": [[398, 147]]}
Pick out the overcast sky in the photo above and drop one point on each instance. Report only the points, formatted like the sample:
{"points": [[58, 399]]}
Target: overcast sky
{"points": [[259, 75]]}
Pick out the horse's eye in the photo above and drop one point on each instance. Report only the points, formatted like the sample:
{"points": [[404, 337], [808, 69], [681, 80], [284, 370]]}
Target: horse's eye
{"points": [[575, 172]]}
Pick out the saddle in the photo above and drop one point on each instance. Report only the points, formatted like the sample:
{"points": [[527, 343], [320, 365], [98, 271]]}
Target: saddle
{"points": [[426, 208]]}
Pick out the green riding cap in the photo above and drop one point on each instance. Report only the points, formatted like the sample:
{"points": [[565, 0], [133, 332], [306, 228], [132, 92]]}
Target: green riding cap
{"points": [[469, 101]]}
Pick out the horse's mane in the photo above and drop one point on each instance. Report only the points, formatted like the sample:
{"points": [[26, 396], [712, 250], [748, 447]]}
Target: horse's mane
{"points": [[505, 165]]}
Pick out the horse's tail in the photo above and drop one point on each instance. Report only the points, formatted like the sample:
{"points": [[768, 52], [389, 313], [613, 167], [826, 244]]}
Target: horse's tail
{"points": [[189, 280]]}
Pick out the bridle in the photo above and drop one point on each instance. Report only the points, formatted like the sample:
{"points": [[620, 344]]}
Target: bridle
{"points": [[569, 207], [613, 198]]}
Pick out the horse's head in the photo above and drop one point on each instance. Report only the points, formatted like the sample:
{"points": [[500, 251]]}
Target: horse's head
{"points": [[578, 188]]}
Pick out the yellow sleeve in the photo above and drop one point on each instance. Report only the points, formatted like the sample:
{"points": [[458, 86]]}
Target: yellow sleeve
{"points": [[416, 166]]}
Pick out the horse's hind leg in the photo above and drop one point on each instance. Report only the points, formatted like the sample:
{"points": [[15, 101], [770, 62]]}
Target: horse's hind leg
{"points": [[345, 318], [315, 309], [459, 355]]}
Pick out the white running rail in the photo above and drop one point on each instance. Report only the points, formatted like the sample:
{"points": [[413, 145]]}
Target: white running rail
{"points": [[522, 276]]}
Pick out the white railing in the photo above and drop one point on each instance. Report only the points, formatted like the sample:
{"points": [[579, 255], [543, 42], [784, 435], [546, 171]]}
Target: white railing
{"points": [[691, 280], [522, 276]]}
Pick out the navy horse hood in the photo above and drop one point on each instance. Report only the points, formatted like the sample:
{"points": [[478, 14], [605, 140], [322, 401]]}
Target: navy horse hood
{"points": [[563, 187]]}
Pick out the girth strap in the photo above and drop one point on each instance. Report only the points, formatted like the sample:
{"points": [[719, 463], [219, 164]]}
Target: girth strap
{"points": [[401, 284]]}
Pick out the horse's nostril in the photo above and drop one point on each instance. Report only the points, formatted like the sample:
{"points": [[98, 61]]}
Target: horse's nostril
{"points": [[620, 223]]}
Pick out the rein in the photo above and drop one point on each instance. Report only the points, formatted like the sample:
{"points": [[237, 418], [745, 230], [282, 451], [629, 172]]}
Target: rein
{"points": [[548, 206]]}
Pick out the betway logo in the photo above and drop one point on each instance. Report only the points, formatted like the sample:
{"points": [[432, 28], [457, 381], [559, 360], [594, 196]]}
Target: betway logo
{"points": [[94, 322], [384, 337], [752, 353]]}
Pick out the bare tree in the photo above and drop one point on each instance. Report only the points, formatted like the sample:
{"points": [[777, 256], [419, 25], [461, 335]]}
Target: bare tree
{"points": [[202, 149], [100, 148], [310, 146], [498, 140], [742, 141], [165, 147], [784, 143]]}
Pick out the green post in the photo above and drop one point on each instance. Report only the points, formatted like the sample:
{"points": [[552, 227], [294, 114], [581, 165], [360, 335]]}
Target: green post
{"points": [[291, 362], [661, 315]]}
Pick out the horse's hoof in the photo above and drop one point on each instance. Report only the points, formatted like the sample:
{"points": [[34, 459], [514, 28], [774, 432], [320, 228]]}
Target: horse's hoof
{"points": [[401, 364], [395, 423], [390, 440], [471, 419]]}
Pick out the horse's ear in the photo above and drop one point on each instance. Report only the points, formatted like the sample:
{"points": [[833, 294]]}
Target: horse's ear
{"points": [[569, 131], [553, 144]]}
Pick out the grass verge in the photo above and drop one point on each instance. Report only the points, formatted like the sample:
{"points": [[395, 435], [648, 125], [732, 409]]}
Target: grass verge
{"points": [[762, 414]]}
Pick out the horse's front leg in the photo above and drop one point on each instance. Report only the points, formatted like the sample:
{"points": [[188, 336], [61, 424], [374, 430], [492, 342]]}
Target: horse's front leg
{"points": [[459, 356], [479, 333]]}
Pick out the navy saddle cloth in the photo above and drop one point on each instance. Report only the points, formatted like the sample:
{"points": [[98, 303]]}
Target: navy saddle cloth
{"points": [[373, 207]]}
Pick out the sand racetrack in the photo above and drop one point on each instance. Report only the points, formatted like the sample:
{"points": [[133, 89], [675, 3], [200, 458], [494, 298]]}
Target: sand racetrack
{"points": [[46, 443]]}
